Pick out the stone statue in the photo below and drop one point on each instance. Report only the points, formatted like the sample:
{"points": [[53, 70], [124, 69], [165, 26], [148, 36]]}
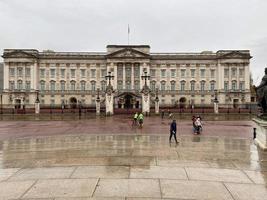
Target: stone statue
{"points": [[261, 92]]}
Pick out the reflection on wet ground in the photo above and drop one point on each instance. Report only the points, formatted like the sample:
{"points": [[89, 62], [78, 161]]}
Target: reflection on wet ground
{"points": [[218, 166]]}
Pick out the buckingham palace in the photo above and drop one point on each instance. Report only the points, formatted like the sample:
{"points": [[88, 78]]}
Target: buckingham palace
{"points": [[69, 78]]}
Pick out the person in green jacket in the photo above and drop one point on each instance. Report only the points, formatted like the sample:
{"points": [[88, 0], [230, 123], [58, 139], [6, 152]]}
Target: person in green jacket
{"points": [[141, 119], [135, 119]]}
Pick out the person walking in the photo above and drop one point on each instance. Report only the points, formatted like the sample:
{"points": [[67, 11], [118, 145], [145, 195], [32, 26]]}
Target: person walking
{"points": [[140, 119], [173, 131], [135, 119]]}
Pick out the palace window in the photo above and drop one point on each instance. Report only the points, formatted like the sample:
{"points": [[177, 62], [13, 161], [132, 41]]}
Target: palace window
{"points": [[136, 85], [182, 72], [11, 85], [62, 85], [72, 73], [152, 72], [12, 71], [103, 85], [172, 85], [233, 72], [241, 72], [182, 85], [93, 73], [234, 85], [128, 72], [52, 73], [163, 73], [42, 85], [82, 73], [212, 85], [173, 73], [241, 85], [62, 73], [192, 73], [120, 87], [52, 85], [72, 85], [212, 73], [128, 85], [83, 85], [153, 85], [28, 85], [19, 85], [28, 72], [103, 72], [93, 85], [202, 85], [136, 71], [42, 73], [202, 73], [192, 84], [162, 85], [226, 85], [226, 73], [20, 71]]}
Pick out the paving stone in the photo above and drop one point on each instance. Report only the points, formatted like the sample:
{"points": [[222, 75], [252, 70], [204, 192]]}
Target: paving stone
{"points": [[182, 163], [213, 174], [247, 191], [101, 172], [6, 173], [62, 188], [92, 198], [180, 189], [258, 177], [43, 173], [158, 172], [14, 190], [128, 188]]}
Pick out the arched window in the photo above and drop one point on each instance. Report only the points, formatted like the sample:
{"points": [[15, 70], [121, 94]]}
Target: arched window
{"points": [[202, 85], [192, 85], [182, 85], [153, 85], [19, 86], [93, 85], [103, 85], [62, 85], [172, 85], [233, 85], [52, 85], [212, 85], [72, 85], [42, 85], [162, 85]]}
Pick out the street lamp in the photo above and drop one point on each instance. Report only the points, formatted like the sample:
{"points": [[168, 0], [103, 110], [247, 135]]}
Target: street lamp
{"points": [[145, 77]]}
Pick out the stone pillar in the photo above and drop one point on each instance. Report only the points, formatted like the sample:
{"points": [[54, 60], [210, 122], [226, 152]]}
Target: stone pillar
{"points": [[157, 106], [37, 107], [97, 103], [216, 107], [261, 133], [145, 103], [109, 103], [6, 76]]}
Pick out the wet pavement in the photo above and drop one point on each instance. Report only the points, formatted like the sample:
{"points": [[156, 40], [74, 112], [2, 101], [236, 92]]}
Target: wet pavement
{"points": [[109, 159]]}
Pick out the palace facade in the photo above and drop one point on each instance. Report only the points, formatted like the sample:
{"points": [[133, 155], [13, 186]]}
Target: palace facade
{"points": [[67, 78]]}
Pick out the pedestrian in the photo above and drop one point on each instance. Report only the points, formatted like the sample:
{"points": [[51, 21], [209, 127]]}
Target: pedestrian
{"points": [[135, 119], [140, 119], [198, 125], [173, 131], [194, 124], [162, 114]]}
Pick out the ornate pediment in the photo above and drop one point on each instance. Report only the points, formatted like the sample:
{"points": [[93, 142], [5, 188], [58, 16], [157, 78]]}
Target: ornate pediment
{"points": [[234, 55], [19, 54], [128, 53]]}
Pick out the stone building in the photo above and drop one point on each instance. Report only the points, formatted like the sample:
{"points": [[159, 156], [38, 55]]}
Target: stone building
{"points": [[67, 78]]}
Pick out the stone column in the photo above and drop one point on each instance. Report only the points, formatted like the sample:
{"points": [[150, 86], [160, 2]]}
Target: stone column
{"points": [[132, 78], [145, 103], [216, 107], [123, 76], [157, 106], [37, 107], [109, 103], [6, 76], [97, 103]]}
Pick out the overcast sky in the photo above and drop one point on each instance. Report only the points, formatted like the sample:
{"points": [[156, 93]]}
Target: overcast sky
{"points": [[165, 25]]}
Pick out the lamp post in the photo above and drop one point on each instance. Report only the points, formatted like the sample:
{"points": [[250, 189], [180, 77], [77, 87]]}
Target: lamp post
{"points": [[145, 77], [157, 102], [1, 103], [145, 95], [109, 77], [109, 95], [98, 102], [216, 102], [37, 103]]}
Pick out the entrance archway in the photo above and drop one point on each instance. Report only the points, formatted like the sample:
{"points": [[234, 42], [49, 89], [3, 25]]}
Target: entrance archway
{"points": [[128, 101], [182, 102], [73, 102], [17, 103]]}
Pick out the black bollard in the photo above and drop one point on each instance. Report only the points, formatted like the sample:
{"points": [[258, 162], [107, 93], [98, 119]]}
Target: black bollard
{"points": [[254, 133]]}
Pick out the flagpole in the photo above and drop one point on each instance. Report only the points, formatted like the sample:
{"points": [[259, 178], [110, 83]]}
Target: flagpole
{"points": [[128, 34]]}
